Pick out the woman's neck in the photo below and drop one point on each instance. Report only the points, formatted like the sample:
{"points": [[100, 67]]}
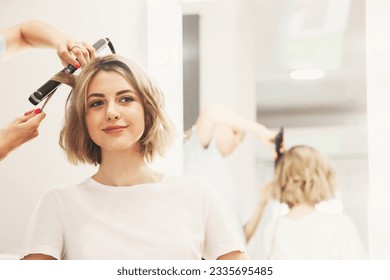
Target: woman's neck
{"points": [[300, 210], [121, 170]]}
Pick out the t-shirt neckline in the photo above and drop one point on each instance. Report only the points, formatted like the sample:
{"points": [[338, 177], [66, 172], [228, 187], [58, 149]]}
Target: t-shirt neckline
{"points": [[93, 183]]}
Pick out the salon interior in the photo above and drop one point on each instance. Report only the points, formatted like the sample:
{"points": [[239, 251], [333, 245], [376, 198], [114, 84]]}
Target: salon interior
{"points": [[247, 55]]}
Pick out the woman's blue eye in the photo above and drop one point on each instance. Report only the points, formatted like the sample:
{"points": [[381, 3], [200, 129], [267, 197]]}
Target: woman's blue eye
{"points": [[126, 99], [96, 103]]}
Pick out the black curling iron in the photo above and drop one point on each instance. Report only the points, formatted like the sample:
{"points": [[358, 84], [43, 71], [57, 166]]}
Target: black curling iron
{"points": [[279, 138], [51, 86]]}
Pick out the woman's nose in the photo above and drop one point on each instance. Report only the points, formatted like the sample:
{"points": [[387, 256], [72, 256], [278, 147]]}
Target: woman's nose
{"points": [[112, 113]]}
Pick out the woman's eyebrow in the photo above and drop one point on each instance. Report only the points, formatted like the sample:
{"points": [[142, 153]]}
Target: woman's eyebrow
{"points": [[101, 95], [125, 91], [95, 95]]}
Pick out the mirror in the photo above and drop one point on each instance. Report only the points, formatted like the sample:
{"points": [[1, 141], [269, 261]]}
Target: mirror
{"points": [[248, 52]]}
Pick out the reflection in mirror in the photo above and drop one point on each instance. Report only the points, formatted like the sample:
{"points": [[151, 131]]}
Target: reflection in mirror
{"points": [[295, 64], [325, 109]]}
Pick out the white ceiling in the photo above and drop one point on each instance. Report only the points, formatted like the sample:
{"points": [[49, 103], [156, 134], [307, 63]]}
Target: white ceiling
{"points": [[324, 34]]}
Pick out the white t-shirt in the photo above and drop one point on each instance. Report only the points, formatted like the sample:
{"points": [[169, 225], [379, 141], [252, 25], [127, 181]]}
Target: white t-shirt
{"points": [[318, 236], [177, 218], [2, 47], [211, 166]]}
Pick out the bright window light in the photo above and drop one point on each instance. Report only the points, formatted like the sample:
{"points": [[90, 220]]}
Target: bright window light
{"points": [[307, 74]]}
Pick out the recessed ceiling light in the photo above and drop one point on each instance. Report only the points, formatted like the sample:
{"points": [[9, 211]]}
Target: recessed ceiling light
{"points": [[307, 74]]}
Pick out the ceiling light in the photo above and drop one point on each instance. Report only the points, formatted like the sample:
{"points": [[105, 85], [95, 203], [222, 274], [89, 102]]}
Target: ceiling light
{"points": [[307, 74]]}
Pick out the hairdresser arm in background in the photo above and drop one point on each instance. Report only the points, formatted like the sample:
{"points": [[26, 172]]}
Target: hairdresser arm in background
{"points": [[19, 131], [38, 34], [235, 255], [251, 225], [39, 257], [213, 115]]}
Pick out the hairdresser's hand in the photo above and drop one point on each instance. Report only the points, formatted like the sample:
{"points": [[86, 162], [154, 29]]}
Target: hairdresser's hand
{"points": [[75, 53], [19, 131], [267, 137]]}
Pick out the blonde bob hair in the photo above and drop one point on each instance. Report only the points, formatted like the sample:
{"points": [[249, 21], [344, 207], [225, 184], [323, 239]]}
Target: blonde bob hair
{"points": [[303, 175], [74, 137]]}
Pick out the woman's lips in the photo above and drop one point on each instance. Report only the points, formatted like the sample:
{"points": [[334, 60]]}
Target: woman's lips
{"points": [[114, 129]]}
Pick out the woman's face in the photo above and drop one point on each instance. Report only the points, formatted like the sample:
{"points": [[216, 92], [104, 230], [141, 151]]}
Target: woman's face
{"points": [[114, 115]]}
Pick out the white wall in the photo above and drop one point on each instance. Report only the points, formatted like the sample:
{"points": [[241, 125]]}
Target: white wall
{"points": [[165, 64], [378, 89], [29, 171]]}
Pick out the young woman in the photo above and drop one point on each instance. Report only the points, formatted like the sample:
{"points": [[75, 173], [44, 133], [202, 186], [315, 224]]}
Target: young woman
{"points": [[115, 119], [303, 179]]}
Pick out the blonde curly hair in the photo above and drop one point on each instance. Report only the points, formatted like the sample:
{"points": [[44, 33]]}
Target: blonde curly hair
{"points": [[303, 175]]}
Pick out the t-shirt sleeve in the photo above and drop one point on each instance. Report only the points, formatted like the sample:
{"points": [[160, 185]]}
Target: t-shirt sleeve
{"points": [[220, 235], [2, 47], [44, 233]]}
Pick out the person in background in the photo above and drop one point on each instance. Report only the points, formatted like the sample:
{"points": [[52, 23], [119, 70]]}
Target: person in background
{"points": [[24, 36], [115, 119], [304, 178], [217, 132]]}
